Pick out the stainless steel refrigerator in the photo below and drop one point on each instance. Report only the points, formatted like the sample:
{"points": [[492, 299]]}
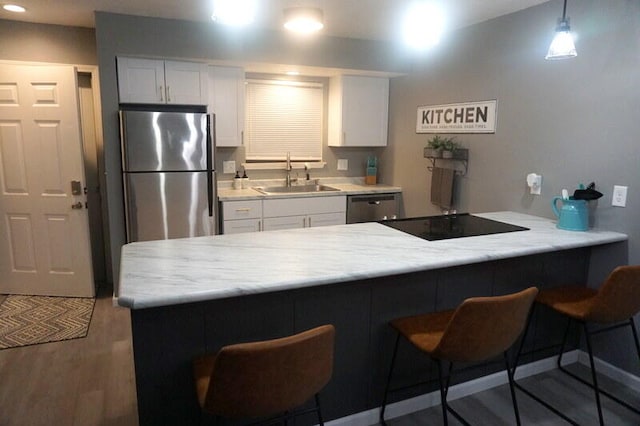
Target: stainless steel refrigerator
{"points": [[168, 174]]}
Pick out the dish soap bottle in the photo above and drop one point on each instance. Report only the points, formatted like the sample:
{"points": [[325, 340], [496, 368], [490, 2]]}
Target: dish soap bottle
{"points": [[245, 180]]}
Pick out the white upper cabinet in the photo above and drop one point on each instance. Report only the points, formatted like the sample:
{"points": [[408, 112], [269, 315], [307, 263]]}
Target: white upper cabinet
{"points": [[151, 81], [226, 101], [358, 111]]}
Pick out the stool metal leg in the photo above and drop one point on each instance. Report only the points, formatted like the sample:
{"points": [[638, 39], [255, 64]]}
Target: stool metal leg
{"points": [[386, 388], [635, 335], [593, 373], [320, 421], [512, 388], [443, 394]]}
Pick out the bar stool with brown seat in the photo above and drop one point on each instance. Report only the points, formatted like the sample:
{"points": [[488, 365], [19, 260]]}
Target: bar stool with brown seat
{"points": [[266, 380], [610, 307], [479, 329]]}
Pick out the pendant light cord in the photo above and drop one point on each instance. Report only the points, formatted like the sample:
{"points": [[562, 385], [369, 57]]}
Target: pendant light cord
{"points": [[564, 11]]}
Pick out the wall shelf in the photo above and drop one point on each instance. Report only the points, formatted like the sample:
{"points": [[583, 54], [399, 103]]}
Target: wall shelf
{"points": [[460, 156]]}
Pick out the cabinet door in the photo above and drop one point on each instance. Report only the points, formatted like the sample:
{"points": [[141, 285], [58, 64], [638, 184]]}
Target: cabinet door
{"points": [[141, 81], [361, 111], [226, 101], [186, 83], [240, 226], [326, 219], [286, 222]]}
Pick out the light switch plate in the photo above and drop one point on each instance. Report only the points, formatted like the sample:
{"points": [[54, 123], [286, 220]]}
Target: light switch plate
{"points": [[343, 164], [228, 167], [619, 198]]}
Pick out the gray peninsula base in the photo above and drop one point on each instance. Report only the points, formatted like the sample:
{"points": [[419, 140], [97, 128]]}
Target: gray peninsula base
{"points": [[166, 338]]}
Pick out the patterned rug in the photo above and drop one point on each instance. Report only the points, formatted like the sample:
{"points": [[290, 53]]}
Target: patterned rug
{"points": [[30, 320]]}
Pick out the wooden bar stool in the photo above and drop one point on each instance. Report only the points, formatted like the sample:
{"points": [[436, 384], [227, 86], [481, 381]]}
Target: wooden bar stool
{"points": [[479, 329], [610, 307], [266, 380]]}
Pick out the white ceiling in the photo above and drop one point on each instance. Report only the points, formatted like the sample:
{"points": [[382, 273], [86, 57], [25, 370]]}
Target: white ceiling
{"points": [[364, 19]]}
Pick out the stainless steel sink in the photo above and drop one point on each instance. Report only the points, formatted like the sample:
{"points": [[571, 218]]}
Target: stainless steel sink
{"points": [[295, 189]]}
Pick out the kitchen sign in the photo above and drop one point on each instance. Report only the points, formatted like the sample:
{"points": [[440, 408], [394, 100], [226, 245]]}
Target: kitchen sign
{"points": [[468, 117]]}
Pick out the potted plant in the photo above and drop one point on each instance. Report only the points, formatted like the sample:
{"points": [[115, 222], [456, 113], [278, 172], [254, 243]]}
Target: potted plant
{"points": [[434, 147], [449, 146]]}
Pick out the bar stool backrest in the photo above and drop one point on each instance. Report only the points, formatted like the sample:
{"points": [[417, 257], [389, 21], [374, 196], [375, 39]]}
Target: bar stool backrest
{"points": [[618, 299], [270, 377], [483, 327]]}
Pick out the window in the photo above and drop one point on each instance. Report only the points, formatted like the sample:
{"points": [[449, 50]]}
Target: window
{"points": [[281, 117]]}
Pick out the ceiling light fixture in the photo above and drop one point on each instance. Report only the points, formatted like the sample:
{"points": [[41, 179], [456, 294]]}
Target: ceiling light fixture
{"points": [[562, 46], [14, 8], [234, 12], [304, 20], [423, 25]]}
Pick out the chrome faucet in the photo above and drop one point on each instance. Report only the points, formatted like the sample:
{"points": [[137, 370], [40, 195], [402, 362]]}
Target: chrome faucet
{"points": [[288, 168]]}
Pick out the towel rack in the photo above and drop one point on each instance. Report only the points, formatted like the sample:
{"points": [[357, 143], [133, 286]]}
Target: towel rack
{"points": [[460, 156]]}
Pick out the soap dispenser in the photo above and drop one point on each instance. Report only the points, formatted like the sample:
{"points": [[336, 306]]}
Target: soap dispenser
{"points": [[245, 179], [237, 181]]}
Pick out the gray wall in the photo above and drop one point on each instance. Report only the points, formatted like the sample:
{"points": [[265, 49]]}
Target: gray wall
{"points": [[21, 41], [571, 121], [130, 35]]}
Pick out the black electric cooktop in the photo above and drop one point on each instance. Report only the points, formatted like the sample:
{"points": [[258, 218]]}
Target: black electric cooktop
{"points": [[450, 226]]}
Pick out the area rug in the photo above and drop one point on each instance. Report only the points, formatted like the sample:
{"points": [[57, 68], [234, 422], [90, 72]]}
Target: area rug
{"points": [[31, 320]]}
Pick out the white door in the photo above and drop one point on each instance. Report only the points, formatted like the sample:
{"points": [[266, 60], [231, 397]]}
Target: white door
{"points": [[44, 232]]}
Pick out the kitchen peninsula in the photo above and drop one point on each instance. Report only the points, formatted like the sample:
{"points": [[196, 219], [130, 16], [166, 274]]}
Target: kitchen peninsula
{"points": [[189, 296]]}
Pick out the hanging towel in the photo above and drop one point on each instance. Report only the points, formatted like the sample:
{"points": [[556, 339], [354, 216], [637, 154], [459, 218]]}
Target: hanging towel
{"points": [[442, 187]]}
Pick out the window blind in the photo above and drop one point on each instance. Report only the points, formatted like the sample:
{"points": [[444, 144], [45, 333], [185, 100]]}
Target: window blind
{"points": [[283, 117]]}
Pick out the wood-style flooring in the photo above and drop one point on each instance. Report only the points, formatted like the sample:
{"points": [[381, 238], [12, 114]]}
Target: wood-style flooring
{"points": [[493, 407], [85, 382], [91, 381]]}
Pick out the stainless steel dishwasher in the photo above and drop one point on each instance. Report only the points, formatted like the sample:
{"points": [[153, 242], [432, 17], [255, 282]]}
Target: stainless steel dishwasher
{"points": [[372, 207]]}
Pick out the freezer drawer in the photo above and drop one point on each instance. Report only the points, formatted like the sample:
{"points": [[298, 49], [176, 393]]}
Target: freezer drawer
{"points": [[167, 205], [372, 208]]}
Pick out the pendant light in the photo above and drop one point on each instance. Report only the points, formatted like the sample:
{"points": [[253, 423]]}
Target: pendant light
{"points": [[562, 46]]}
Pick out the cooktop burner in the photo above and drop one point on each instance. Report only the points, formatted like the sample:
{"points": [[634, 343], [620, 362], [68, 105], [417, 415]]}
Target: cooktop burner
{"points": [[450, 226]]}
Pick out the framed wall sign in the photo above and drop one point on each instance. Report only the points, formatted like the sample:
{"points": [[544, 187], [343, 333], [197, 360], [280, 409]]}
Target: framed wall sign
{"points": [[466, 117]]}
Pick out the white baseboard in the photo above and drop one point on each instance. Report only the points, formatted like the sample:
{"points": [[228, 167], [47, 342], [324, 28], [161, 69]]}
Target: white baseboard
{"points": [[432, 399], [611, 371]]}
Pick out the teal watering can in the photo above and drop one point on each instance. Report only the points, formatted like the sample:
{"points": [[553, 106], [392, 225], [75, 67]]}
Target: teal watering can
{"points": [[573, 216]]}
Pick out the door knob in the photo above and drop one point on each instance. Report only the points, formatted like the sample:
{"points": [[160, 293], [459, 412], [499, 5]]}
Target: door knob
{"points": [[77, 206]]}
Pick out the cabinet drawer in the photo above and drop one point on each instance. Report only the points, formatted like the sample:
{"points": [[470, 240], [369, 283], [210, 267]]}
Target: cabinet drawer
{"points": [[240, 226], [250, 209], [304, 206]]}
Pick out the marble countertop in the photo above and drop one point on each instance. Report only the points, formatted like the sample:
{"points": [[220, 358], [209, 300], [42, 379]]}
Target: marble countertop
{"points": [[168, 272], [351, 188]]}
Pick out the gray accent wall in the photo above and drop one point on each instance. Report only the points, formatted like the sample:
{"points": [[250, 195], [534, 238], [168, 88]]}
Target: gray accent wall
{"points": [[57, 44], [572, 121]]}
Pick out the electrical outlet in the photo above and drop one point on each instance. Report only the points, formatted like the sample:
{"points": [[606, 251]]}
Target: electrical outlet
{"points": [[619, 197], [228, 167], [343, 164]]}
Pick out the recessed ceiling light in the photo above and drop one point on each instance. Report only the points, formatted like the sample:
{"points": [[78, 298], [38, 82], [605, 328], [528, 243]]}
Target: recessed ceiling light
{"points": [[234, 12], [423, 25], [305, 20], [293, 73], [14, 8]]}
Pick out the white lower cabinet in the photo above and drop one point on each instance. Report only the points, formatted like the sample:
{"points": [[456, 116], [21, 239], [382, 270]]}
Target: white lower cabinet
{"points": [[283, 213], [288, 213], [240, 226], [241, 216]]}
